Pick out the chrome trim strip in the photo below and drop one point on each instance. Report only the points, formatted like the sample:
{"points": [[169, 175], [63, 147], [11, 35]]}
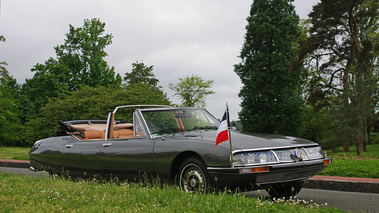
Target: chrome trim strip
{"points": [[256, 164], [276, 156], [309, 157], [299, 163], [275, 148], [229, 169], [107, 126], [253, 166], [272, 165], [305, 153], [131, 106]]}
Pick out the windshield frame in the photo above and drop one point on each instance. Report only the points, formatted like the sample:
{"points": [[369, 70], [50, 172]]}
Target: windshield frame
{"points": [[205, 114]]}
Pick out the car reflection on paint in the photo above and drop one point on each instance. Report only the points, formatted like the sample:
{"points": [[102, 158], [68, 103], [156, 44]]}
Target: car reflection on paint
{"points": [[178, 144]]}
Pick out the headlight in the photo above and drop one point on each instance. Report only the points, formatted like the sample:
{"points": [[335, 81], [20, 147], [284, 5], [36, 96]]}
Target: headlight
{"points": [[314, 152], [261, 157], [285, 155], [277, 156], [37, 143]]}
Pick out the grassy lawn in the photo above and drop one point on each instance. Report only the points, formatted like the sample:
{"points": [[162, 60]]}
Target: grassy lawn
{"points": [[28, 194], [346, 164], [14, 153], [372, 151]]}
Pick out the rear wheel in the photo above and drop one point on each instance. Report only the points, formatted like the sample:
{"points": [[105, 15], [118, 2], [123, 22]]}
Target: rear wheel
{"points": [[285, 190], [193, 176]]}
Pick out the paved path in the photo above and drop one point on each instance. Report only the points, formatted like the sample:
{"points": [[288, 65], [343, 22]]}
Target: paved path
{"points": [[348, 201]]}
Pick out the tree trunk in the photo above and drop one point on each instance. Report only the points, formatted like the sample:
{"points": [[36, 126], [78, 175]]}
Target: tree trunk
{"points": [[368, 134], [345, 102], [346, 147], [360, 138]]}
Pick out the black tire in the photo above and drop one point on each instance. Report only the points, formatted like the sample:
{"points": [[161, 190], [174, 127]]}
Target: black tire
{"points": [[285, 190], [193, 177]]}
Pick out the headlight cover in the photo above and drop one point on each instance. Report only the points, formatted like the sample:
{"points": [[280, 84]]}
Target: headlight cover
{"points": [[261, 157], [37, 143], [278, 156], [315, 152]]}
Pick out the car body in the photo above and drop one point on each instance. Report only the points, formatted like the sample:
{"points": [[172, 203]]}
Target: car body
{"points": [[178, 144]]}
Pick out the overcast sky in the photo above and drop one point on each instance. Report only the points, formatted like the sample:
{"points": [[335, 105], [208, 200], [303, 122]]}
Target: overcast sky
{"points": [[177, 37]]}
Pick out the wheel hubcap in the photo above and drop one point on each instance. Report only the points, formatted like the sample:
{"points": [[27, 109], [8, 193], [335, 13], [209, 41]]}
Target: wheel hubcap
{"points": [[193, 183], [192, 179]]}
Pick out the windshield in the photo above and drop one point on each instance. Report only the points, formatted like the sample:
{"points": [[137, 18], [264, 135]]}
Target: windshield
{"points": [[170, 121]]}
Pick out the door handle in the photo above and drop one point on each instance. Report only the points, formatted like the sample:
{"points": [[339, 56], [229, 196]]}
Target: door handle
{"points": [[107, 144], [69, 145]]}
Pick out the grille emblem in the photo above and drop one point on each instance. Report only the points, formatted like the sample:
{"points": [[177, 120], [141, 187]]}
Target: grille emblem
{"points": [[296, 156], [297, 153]]}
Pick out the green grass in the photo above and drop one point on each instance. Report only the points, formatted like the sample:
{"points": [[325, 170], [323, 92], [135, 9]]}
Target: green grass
{"points": [[353, 166], [348, 164], [372, 151], [28, 194], [14, 153]]}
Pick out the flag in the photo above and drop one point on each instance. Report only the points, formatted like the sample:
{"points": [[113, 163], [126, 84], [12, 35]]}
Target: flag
{"points": [[223, 129]]}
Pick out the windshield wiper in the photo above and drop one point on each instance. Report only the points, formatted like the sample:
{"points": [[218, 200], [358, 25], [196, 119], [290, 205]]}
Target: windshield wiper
{"points": [[203, 127]]}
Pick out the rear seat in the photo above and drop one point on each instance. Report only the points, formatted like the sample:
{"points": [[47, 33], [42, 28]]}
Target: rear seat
{"points": [[123, 133], [97, 131], [124, 130], [92, 134]]}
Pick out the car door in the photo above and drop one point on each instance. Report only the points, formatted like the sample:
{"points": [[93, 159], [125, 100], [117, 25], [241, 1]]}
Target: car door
{"points": [[81, 157], [130, 159]]}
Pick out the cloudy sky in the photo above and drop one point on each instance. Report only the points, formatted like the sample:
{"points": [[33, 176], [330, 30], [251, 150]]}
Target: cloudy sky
{"points": [[177, 37]]}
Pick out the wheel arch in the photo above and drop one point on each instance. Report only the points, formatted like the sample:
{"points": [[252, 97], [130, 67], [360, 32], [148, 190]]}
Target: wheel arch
{"points": [[179, 159]]}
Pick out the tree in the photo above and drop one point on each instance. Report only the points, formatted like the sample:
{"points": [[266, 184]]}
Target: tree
{"points": [[271, 95], [37, 91], [343, 47], [90, 103], [79, 62], [9, 112], [141, 74], [192, 90]]}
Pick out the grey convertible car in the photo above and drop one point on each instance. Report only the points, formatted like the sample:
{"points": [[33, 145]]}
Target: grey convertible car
{"points": [[178, 144]]}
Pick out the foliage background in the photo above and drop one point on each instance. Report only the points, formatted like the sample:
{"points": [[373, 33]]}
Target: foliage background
{"points": [[68, 86], [271, 101], [90, 103]]}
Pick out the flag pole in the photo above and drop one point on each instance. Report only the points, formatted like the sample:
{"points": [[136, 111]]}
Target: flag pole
{"points": [[229, 136]]}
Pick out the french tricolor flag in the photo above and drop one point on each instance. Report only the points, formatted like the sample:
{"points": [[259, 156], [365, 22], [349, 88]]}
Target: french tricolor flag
{"points": [[223, 129]]}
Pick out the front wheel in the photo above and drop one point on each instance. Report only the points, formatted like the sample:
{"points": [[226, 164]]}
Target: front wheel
{"points": [[193, 176], [285, 190]]}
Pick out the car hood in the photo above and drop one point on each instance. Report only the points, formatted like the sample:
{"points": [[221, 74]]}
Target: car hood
{"points": [[242, 141]]}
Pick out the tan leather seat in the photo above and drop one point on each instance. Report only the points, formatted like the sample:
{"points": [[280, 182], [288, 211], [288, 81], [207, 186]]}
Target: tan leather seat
{"points": [[94, 135], [124, 133]]}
